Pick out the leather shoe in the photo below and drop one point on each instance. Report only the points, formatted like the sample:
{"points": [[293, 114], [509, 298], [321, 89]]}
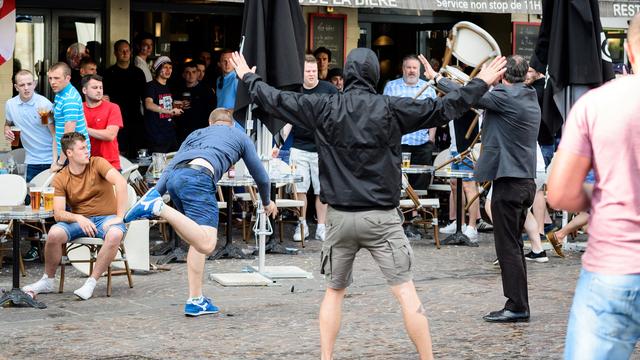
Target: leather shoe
{"points": [[505, 315], [555, 242]]}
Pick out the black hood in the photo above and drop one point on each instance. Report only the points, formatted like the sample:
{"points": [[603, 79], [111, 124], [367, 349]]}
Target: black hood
{"points": [[361, 71]]}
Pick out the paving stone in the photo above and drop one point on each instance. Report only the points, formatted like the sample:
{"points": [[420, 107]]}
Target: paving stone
{"points": [[457, 284]]}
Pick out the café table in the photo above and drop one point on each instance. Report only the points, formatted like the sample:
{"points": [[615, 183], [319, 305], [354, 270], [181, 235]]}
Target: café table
{"points": [[418, 169], [230, 250], [457, 238], [18, 214]]}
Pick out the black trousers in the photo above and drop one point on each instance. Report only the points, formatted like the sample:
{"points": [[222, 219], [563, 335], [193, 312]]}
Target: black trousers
{"points": [[420, 155], [511, 200]]}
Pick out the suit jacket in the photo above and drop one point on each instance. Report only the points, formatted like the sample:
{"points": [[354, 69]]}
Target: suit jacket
{"points": [[509, 131]]}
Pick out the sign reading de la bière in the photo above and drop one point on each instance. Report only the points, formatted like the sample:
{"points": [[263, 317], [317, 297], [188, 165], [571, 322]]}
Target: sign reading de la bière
{"points": [[493, 6], [608, 8]]}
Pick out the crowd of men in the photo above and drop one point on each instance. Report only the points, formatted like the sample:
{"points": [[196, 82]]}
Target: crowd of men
{"points": [[347, 144]]}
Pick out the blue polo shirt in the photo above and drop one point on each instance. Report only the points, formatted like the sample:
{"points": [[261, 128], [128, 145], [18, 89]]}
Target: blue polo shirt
{"points": [[36, 138], [68, 107]]}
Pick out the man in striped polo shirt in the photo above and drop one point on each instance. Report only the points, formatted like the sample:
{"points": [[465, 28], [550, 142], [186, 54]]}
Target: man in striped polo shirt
{"points": [[418, 143], [67, 110]]}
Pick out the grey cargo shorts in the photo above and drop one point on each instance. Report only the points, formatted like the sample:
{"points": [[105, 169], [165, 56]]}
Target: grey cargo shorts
{"points": [[379, 231]]}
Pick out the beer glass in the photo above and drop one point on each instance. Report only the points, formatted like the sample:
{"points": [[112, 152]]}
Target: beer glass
{"points": [[406, 159], [36, 195], [47, 193]]}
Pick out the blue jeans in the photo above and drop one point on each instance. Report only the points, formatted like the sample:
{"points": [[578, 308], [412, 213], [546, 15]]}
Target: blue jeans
{"points": [[465, 165], [74, 230], [604, 322], [194, 194], [547, 154]]}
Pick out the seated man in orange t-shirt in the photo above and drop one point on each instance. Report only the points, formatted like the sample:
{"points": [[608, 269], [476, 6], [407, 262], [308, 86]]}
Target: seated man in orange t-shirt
{"points": [[104, 120], [86, 187]]}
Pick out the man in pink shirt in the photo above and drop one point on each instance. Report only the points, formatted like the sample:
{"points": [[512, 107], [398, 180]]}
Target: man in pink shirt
{"points": [[104, 120], [603, 132]]}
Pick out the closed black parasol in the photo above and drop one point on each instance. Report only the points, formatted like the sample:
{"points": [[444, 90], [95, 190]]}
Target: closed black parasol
{"points": [[274, 41], [572, 49]]}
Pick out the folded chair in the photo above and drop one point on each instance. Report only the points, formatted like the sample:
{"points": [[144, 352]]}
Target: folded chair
{"points": [[427, 208]]}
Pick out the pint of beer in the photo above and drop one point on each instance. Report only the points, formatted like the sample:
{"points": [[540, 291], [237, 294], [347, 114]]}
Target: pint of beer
{"points": [[48, 198], [406, 159], [16, 136], [36, 196], [44, 116]]}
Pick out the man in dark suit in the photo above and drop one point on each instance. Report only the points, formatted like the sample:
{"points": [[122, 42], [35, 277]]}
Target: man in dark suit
{"points": [[508, 158]]}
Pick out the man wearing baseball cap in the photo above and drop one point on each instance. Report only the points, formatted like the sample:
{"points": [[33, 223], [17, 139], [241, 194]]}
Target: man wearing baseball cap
{"points": [[159, 111]]}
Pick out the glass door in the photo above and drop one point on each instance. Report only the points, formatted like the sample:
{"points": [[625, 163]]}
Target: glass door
{"points": [[77, 34], [33, 46], [44, 37]]}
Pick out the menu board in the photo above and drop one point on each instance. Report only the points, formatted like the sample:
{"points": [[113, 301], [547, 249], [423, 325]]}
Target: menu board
{"points": [[525, 38], [328, 30]]}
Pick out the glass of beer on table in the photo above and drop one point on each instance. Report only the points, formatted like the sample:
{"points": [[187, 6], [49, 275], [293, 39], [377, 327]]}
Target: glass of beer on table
{"points": [[47, 193], [406, 159], [36, 197]]}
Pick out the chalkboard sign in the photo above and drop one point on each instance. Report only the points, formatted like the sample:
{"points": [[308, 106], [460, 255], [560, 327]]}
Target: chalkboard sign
{"points": [[525, 38], [328, 30]]}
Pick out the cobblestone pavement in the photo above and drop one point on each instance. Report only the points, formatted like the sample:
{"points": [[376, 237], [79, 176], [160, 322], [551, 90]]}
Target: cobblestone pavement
{"points": [[457, 285]]}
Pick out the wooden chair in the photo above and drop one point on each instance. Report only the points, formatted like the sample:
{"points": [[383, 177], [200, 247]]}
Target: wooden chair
{"points": [[13, 190], [92, 246], [427, 208], [292, 204]]}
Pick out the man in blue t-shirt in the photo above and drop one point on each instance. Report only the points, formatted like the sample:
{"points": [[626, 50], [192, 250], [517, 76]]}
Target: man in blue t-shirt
{"points": [[191, 180], [227, 84]]}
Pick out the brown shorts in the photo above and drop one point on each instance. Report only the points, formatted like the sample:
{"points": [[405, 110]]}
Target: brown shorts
{"points": [[379, 231]]}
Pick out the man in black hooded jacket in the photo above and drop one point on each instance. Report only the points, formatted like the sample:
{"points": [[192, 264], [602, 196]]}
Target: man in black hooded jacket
{"points": [[358, 134]]}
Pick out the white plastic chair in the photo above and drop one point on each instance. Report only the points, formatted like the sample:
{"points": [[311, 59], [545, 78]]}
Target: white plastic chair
{"points": [[44, 178], [13, 190]]}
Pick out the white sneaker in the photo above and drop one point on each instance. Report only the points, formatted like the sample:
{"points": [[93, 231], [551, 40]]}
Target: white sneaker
{"points": [[42, 286], [471, 233], [296, 234], [451, 228], [320, 232], [86, 290]]}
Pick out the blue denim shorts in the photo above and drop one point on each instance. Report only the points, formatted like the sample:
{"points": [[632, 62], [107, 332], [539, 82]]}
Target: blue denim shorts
{"points": [[604, 322], [590, 178], [74, 230], [465, 165], [193, 193]]}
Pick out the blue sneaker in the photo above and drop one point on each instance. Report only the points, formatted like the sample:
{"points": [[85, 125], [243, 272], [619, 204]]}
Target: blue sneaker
{"points": [[201, 308], [148, 206]]}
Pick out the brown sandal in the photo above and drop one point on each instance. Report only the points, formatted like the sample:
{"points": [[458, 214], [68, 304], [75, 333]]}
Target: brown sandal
{"points": [[557, 245]]}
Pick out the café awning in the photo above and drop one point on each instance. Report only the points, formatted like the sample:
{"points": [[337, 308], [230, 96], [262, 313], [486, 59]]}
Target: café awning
{"points": [[608, 8]]}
